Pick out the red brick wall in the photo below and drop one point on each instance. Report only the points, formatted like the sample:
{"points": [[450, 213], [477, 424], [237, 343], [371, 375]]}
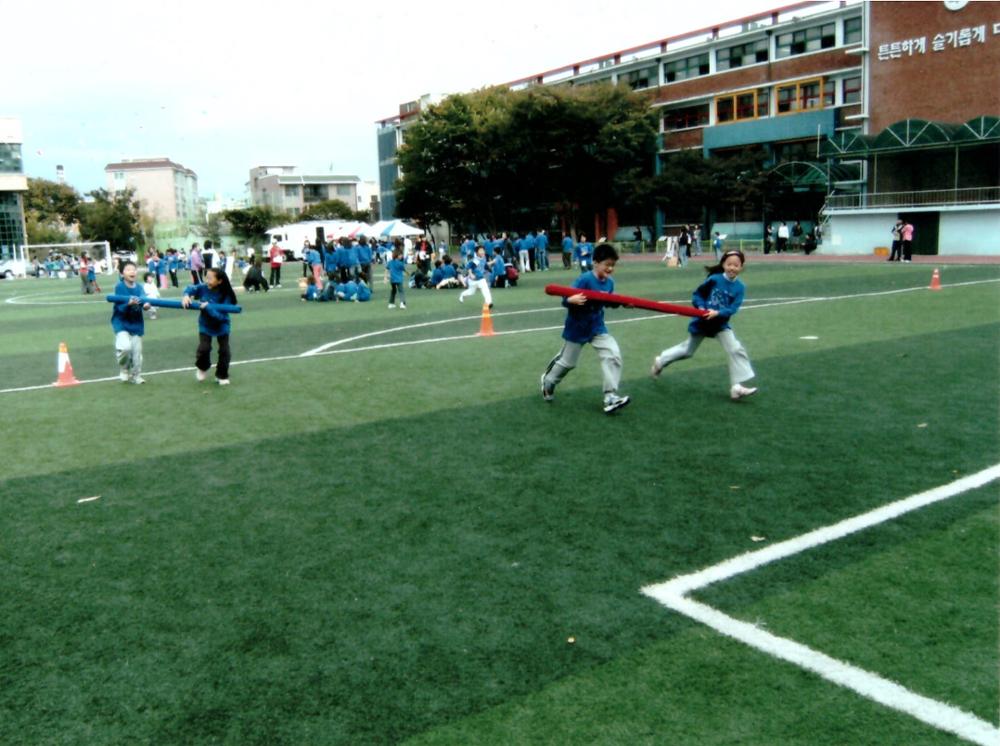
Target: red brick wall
{"points": [[683, 139], [952, 85], [804, 66]]}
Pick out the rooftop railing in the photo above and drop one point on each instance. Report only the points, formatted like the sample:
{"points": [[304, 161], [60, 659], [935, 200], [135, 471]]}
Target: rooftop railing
{"points": [[929, 198]]}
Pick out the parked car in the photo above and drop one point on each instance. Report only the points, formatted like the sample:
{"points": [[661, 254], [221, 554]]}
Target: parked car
{"points": [[11, 268]]}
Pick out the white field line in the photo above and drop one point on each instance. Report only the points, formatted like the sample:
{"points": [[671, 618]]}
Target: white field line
{"points": [[327, 349], [673, 594]]}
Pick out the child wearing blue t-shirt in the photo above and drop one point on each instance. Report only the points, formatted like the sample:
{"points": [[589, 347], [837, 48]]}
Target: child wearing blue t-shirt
{"points": [[212, 323], [585, 323], [396, 269], [127, 323], [721, 294]]}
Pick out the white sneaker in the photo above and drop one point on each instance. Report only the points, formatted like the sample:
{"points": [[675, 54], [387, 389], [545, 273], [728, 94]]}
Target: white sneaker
{"points": [[739, 391], [613, 402], [402, 305], [137, 379], [223, 381], [200, 374], [123, 376], [657, 368], [392, 305], [548, 391]]}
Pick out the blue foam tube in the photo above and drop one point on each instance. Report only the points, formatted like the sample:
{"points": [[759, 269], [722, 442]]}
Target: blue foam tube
{"points": [[165, 303]]}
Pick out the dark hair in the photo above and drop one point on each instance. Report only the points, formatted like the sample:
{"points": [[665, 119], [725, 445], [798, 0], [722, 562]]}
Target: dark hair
{"points": [[145, 277], [717, 268], [605, 251], [228, 294], [208, 244]]}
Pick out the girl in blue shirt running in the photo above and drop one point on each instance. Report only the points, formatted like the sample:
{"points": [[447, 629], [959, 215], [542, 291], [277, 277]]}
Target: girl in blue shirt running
{"points": [[721, 294], [212, 323]]}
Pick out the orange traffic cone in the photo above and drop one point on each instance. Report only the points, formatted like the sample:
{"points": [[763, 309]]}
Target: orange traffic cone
{"points": [[66, 377], [936, 280], [486, 325]]}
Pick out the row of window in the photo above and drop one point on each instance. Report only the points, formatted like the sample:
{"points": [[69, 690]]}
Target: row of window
{"points": [[789, 44], [316, 192], [790, 98]]}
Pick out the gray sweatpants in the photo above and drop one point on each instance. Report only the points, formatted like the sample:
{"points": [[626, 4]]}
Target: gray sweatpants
{"points": [[740, 369], [128, 353], [607, 350]]}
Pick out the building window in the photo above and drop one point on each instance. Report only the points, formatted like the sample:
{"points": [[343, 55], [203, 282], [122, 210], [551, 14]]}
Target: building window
{"points": [[685, 118], [829, 93], [343, 190], [852, 30], [314, 192], [292, 190], [852, 90], [803, 96], [806, 40], [742, 54], [743, 105], [689, 67], [638, 79]]}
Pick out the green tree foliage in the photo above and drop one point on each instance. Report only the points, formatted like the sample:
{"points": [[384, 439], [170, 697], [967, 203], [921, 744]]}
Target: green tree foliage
{"points": [[112, 217], [510, 159], [251, 223], [330, 209], [49, 209]]}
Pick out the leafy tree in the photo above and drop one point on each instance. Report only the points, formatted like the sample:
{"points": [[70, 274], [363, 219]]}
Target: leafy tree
{"points": [[497, 158], [251, 223], [49, 208], [113, 218], [330, 209]]}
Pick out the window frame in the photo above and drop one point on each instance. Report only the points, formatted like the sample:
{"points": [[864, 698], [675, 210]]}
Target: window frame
{"points": [[797, 98], [761, 97], [801, 38], [845, 90], [747, 49], [706, 64], [859, 31], [692, 108]]}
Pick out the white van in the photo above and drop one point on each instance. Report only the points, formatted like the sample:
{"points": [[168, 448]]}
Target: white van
{"points": [[291, 237]]}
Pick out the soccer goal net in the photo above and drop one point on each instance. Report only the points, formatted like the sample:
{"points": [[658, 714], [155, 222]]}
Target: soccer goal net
{"points": [[65, 257]]}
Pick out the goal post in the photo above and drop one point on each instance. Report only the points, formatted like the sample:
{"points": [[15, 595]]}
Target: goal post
{"points": [[94, 249]]}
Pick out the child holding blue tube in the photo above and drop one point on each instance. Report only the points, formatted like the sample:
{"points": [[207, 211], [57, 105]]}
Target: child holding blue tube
{"points": [[212, 323]]}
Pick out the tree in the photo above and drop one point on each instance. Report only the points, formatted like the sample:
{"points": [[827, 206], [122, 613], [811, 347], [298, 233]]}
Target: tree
{"points": [[498, 158], [113, 218], [330, 209], [49, 209], [252, 223]]}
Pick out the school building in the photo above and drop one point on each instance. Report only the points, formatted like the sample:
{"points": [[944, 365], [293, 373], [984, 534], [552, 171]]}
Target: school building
{"points": [[865, 111], [13, 186]]}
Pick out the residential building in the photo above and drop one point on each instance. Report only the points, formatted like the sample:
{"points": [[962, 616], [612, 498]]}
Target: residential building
{"points": [[166, 191], [13, 186], [282, 188], [864, 110]]}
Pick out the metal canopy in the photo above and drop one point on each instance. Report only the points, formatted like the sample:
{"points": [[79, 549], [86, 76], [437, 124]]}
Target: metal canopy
{"points": [[911, 133], [808, 174]]}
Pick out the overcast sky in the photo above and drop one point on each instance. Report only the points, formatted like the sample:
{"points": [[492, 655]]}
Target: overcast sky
{"points": [[221, 87]]}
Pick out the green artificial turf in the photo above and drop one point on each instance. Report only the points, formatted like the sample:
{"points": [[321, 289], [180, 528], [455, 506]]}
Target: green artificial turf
{"points": [[396, 543]]}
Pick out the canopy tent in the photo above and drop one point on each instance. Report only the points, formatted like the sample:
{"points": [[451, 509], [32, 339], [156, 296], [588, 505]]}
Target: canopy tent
{"points": [[376, 229], [398, 229]]}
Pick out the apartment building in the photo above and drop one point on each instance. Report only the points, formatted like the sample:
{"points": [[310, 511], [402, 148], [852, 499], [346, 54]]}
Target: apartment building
{"points": [[166, 191], [283, 188]]}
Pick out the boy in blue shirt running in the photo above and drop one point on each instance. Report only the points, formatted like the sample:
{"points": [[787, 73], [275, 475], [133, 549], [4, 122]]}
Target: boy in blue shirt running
{"points": [[585, 323], [127, 323]]}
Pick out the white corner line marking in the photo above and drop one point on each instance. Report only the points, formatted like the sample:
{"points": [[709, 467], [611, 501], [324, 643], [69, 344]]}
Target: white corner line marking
{"points": [[673, 594], [89, 499]]}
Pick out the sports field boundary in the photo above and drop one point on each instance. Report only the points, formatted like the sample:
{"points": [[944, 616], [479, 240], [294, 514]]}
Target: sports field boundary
{"points": [[329, 347], [674, 594]]}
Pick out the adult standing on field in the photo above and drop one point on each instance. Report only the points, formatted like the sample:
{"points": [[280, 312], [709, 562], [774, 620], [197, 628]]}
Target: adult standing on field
{"points": [[567, 251], [277, 258], [196, 264], [897, 241], [906, 234], [782, 237]]}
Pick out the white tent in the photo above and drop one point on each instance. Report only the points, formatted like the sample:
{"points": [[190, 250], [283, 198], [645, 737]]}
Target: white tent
{"points": [[376, 230], [397, 228]]}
